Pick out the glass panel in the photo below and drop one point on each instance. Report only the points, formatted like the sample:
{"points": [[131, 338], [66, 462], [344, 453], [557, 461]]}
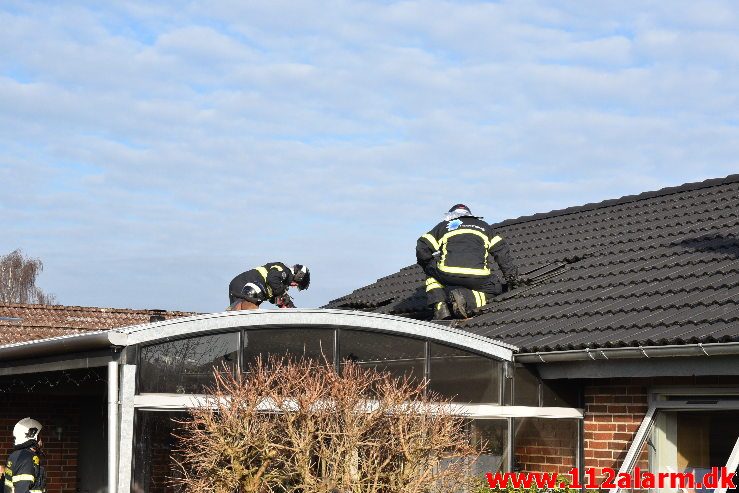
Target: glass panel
{"points": [[398, 355], [492, 434], [464, 376], [153, 465], [186, 366], [525, 388], [693, 442], [560, 393], [317, 344], [545, 445]]}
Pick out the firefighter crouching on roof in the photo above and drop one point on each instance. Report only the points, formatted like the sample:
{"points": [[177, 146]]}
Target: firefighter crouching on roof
{"points": [[456, 254], [270, 282], [23, 472]]}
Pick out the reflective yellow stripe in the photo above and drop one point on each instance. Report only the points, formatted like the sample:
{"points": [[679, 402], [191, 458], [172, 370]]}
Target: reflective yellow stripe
{"points": [[24, 477], [35, 491], [495, 240], [480, 298], [465, 232], [432, 283], [8, 483], [463, 270], [277, 267], [263, 272], [432, 240]]}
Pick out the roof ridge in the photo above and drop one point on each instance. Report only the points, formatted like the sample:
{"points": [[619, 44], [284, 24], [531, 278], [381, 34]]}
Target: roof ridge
{"points": [[685, 187], [95, 309]]}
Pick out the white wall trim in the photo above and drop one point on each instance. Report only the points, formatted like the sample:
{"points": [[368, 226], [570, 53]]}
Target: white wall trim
{"points": [[170, 402]]}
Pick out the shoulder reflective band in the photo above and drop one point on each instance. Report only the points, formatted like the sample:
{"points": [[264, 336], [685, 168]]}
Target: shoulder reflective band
{"points": [[24, 477], [428, 237], [495, 240], [277, 267], [263, 273], [465, 232]]}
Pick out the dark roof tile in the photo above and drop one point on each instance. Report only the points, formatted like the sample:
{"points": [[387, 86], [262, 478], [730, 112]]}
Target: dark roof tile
{"points": [[655, 268]]}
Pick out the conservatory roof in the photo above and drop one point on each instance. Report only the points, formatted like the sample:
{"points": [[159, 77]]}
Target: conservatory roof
{"points": [[218, 322]]}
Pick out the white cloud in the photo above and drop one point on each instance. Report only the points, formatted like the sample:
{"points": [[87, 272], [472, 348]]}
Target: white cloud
{"points": [[152, 151]]}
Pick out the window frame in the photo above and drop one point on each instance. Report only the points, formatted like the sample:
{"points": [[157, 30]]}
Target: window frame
{"points": [[658, 401]]}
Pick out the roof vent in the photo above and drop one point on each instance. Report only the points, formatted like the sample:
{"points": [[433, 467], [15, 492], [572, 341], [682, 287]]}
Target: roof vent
{"points": [[157, 315]]}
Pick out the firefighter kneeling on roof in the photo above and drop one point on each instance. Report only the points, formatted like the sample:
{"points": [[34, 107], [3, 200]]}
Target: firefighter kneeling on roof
{"points": [[269, 282], [455, 256], [24, 473]]}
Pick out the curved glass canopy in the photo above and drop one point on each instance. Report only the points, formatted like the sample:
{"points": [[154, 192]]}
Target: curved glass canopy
{"points": [[185, 366]]}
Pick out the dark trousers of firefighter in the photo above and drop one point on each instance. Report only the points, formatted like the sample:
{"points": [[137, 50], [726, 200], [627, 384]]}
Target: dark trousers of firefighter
{"points": [[478, 287]]}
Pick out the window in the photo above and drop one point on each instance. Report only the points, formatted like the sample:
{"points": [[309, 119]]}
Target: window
{"points": [[185, 366], [525, 387], [401, 356], [154, 465], [464, 376], [687, 432], [492, 435], [316, 344]]}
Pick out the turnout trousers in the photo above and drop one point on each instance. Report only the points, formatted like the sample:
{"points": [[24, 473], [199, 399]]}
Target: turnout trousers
{"points": [[478, 288]]}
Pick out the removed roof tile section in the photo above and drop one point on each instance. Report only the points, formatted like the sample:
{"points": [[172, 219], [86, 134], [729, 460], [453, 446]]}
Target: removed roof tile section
{"points": [[20, 322], [651, 269]]}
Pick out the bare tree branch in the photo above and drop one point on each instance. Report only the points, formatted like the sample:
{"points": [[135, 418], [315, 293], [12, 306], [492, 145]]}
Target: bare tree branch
{"points": [[18, 280], [300, 427]]}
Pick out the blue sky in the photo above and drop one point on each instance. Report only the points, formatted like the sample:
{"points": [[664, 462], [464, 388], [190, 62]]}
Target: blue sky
{"points": [[150, 151]]}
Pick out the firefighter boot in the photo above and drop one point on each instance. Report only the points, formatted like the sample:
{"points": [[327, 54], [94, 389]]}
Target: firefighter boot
{"points": [[459, 304], [441, 311]]}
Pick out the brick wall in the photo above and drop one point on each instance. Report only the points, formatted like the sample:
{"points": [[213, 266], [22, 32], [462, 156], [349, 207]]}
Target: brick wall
{"points": [[60, 435], [613, 412], [614, 409], [545, 445]]}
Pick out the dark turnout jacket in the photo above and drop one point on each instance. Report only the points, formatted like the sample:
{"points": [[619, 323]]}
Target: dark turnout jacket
{"points": [[273, 277], [24, 473], [464, 247]]}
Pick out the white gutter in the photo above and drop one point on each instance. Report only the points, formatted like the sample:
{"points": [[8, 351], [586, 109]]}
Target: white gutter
{"points": [[63, 344], [640, 352], [112, 427]]}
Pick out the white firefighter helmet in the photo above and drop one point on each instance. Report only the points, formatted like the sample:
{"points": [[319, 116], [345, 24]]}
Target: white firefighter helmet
{"points": [[25, 430]]}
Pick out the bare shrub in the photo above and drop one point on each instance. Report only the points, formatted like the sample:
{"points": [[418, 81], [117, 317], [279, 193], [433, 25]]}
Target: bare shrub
{"points": [[302, 427]]}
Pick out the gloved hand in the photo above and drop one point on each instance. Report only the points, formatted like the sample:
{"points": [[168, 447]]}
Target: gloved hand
{"points": [[284, 301], [512, 281]]}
